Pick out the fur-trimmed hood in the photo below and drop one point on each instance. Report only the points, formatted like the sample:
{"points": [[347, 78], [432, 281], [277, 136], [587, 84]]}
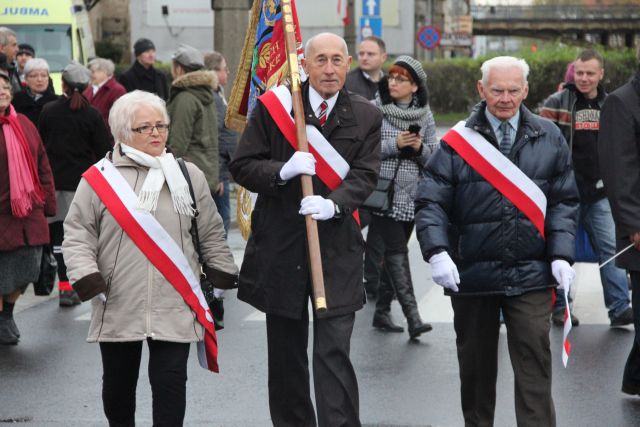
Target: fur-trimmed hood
{"points": [[201, 84]]}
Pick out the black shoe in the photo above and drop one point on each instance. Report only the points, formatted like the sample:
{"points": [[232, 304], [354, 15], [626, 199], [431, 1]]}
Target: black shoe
{"points": [[626, 318], [217, 310], [558, 318], [418, 328], [629, 388], [14, 328], [7, 337], [69, 299], [384, 322]]}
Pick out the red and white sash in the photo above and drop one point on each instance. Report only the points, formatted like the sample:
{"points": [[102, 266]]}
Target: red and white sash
{"points": [[158, 246], [500, 172], [331, 168]]}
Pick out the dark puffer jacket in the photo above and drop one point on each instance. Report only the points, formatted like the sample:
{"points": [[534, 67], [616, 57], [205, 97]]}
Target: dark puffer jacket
{"points": [[497, 250]]}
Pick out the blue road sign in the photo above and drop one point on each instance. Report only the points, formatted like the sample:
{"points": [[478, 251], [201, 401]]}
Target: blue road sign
{"points": [[370, 26], [371, 8], [429, 37]]}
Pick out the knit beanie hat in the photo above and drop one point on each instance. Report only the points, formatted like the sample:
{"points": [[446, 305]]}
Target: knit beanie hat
{"points": [[26, 48], [142, 45], [414, 68]]}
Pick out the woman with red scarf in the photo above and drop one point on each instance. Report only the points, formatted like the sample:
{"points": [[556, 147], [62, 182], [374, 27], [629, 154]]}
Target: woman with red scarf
{"points": [[27, 194]]}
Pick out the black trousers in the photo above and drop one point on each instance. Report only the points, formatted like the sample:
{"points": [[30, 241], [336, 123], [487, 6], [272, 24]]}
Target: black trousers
{"points": [[477, 325], [373, 254], [167, 374], [56, 235], [335, 384], [632, 368]]}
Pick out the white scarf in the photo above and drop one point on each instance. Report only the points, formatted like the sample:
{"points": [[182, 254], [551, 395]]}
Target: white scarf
{"points": [[161, 167]]}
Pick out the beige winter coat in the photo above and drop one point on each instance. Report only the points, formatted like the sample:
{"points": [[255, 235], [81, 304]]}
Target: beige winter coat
{"points": [[100, 257]]}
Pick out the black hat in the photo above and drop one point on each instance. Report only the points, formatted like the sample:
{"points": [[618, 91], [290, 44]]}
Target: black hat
{"points": [[26, 48], [142, 45]]}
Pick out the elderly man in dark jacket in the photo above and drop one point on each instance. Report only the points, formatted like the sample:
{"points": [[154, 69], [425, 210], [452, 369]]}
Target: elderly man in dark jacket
{"points": [[489, 252], [619, 154], [274, 276]]}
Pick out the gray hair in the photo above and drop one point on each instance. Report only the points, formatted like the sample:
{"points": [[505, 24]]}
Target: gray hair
{"points": [[504, 62], [5, 33], [123, 111], [307, 47], [35, 64], [102, 64], [213, 61]]}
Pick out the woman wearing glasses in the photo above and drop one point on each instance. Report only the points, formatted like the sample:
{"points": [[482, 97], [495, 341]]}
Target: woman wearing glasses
{"points": [[38, 92], [133, 300], [75, 137], [408, 139]]}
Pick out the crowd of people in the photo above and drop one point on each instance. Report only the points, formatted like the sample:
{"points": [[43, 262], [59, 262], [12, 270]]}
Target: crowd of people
{"points": [[502, 249]]}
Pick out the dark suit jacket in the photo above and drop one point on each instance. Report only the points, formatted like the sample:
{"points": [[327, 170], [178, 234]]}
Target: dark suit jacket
{"points": [[275, 275]]}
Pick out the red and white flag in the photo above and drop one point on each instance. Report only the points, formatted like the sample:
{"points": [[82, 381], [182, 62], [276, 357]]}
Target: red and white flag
{"points": [[343, 13], [566, 345]]}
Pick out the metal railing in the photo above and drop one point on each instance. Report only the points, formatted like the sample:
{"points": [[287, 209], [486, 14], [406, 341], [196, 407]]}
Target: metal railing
{"points": [[556, 12]]}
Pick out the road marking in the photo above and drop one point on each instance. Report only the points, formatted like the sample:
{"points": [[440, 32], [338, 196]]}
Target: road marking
{"points": [[84, 317]]}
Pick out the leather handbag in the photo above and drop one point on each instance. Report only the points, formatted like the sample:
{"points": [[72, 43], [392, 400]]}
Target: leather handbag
{"points": [[48, 270], [381, 199], [209, 277]]}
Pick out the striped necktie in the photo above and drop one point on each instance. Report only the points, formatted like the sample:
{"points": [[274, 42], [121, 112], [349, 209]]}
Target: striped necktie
{"points": [[505, 143], [322, 117]]}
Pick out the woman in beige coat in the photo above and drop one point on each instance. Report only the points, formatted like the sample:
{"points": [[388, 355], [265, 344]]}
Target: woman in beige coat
{"points": [[132, 302]]}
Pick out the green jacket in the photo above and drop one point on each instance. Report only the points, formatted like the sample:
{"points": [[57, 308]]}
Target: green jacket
{"points": [[194, 123]]}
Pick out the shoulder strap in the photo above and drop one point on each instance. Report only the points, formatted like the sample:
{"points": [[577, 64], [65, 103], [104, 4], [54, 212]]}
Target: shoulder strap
{"points": [[194, 222]]}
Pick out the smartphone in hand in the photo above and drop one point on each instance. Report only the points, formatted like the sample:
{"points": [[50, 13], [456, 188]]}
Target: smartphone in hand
{"points": [[414, 128]]}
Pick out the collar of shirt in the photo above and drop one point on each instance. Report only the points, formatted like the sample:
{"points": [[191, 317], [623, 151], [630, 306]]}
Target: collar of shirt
{"points": [[315, 100], [96, 88], [496, 122], [368, 77]]}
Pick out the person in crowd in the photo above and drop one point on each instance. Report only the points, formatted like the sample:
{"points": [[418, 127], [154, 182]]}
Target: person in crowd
{"points": [[27, 195], [9, 47], [576, 111], [104, 89], [75, 137], [408, 140], [227, 138], [142, 75], [194, 121], [25, 53], [131, 304], [619, 156], [363, 80], [491, 250], [275, 275], [38, 91]]}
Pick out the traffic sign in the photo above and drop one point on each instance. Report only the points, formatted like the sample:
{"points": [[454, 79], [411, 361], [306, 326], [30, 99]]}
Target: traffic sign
{"points": [[371, 7], [429, 37], [370, 26]]}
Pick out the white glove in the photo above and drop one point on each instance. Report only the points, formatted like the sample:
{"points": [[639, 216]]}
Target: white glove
{"points": [[218, 293], [101, 297], [563, 273], [299, 164], [444, 271], [318, 207]]}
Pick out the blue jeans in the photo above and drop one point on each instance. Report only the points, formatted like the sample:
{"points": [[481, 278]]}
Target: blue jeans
{"points": [[597, 220], [224, 207]]}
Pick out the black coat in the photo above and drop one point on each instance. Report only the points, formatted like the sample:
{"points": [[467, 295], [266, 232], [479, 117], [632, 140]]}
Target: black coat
{"points": [[619, 153], [74, 141], [358, 83], [25, 103], [496, 248], [149, 80], [275, 275]]}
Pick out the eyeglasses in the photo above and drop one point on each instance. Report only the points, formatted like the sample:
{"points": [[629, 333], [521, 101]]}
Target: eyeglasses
{"points": [[148, 129], [398, 79]]}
